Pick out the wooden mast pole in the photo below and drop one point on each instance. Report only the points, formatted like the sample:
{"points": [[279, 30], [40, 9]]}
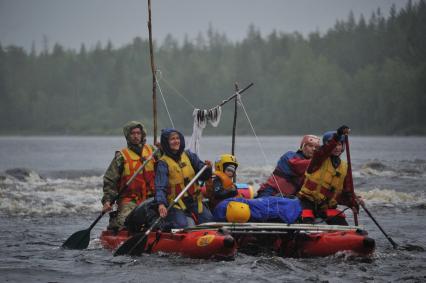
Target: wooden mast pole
{"points": [[154, 80], [234, 125]]}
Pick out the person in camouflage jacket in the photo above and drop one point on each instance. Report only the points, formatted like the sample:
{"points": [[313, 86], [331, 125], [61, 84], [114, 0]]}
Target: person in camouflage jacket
{"points": [[122, 168]]}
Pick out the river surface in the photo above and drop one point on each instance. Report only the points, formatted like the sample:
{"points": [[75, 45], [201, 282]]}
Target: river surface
{"points": [[50, 187]]}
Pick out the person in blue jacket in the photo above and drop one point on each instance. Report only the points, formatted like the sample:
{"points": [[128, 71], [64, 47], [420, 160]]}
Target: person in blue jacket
{"points": [[175, 169], [288, 175]]}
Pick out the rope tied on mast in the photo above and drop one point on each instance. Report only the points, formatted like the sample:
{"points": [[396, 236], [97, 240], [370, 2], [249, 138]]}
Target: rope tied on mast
{"points": [[201, 117]]}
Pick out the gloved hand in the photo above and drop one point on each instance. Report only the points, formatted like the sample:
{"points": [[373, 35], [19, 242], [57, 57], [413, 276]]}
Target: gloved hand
{"points": [[208, 163], [343, 130]]}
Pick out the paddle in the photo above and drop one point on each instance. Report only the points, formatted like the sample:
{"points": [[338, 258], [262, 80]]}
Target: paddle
{"points": [[135, 245], [395, 246], [360, 202], [351, 181], [80, 240], [270, 226]]}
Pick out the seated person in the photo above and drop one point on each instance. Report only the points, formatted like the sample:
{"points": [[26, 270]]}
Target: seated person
{"points": [[221, 185], [326, 183], [288, 175], [125, 164], [175, 170]]}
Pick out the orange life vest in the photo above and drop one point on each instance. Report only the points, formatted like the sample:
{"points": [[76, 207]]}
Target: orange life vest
{"points": [[227, 184], [323, 186], [142, 186]]}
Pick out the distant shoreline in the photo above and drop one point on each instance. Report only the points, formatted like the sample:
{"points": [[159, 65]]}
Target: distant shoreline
{"points": [[187, 135]]}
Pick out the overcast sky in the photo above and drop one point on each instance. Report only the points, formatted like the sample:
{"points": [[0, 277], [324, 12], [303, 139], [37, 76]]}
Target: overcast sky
{"points": [[72, 22]]}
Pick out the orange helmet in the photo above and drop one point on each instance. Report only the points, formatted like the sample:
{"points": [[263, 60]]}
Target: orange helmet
{"points": [[310, 139]]}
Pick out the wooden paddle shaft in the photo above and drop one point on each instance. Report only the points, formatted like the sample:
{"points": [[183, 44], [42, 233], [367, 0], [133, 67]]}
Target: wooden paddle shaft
{"points": [[351, 181], [141, 167]]}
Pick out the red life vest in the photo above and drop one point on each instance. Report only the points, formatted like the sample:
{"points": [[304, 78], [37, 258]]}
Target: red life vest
{"points": [[142, 186]]}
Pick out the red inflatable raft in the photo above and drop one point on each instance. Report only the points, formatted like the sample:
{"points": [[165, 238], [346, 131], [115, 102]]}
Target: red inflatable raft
{"points": [[221, 240], [298, 240], [204, 243], [324, 244]]}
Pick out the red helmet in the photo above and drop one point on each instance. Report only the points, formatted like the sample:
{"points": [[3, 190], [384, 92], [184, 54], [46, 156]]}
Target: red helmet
{"points": [[309, 139]]}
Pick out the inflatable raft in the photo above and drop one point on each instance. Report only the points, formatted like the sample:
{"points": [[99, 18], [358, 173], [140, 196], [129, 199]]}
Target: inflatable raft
{"points": [[297, 240], [202, 243], [222, 240]]}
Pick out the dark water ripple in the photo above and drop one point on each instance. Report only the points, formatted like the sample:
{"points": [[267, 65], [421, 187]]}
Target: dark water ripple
{"points": [[31, 253]]}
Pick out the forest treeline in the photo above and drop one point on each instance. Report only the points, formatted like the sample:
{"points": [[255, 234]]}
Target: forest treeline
{"points": [[367, 73]]}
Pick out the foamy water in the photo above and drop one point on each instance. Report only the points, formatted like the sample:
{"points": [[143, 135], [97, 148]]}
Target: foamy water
{"points": [[32, 194]]}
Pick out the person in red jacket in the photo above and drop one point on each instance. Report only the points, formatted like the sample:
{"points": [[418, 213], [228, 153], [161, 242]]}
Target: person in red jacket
{"points": [[287, 177], [326, 182]]}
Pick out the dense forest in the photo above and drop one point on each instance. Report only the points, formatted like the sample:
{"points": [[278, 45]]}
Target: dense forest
{"points": [[367, 73]]}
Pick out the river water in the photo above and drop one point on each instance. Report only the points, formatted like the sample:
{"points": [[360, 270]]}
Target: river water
{"points": [[50, 187]]}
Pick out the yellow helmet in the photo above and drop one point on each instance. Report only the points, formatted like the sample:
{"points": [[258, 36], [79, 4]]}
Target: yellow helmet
{"points": [[237, 212], [225, 160]]}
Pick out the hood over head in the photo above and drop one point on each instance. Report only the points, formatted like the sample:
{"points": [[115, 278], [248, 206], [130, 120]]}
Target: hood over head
{"points": [[329, 135], [127, 128], [165, 134]]}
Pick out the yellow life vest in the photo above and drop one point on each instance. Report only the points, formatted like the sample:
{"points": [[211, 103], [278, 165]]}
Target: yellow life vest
{"points": [[143, 185], [323, 186], [180, 173]]}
